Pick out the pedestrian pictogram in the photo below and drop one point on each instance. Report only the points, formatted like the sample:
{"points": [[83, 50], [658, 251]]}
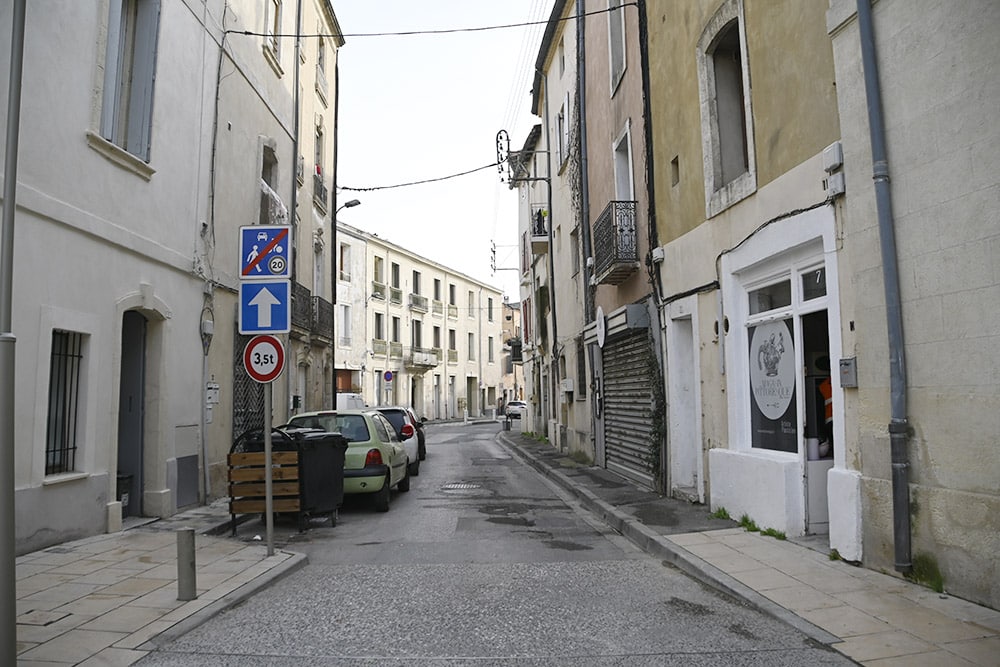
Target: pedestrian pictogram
{"points": [[264, 358], [265, 252]]}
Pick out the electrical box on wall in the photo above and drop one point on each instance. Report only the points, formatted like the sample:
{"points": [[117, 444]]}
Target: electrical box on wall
{"points": [[849, 373]]}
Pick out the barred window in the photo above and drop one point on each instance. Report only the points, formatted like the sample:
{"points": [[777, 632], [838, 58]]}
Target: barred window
{"points": [[64, 402]]}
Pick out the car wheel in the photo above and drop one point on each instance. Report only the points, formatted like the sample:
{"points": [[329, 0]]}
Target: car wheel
{"points": [[423, 451], [381, 499], [414, 469], [404, 484]]}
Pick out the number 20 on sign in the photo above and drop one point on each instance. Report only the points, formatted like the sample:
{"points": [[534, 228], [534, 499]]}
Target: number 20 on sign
{"points": [[264, 358]]}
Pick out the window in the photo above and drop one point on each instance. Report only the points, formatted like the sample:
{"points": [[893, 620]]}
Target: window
{"points": [[437, 337], [66, 365], [574, 243], [344, 325], [489, 349], [452, 295], [472, 303], [581, 368], [378, 270], [273, 23], [562, 56], [345, 262], [489, 308], [395, 329], [318, 152], [472, 347], [416, 282], [379, 326], [616, 42], [624, 190], [437, 289], [321, 56], [726, 120], [395, 275], [561, 136], [452, 343], [417, 333], [129, 69]]}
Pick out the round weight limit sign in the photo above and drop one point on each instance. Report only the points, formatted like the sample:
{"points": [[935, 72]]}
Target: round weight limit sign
{"points": [[264, 358]]}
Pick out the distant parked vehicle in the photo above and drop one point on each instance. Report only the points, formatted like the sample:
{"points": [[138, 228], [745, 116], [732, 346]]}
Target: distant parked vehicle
{"points": [[516, 408], [350, 401], [406, 430]]}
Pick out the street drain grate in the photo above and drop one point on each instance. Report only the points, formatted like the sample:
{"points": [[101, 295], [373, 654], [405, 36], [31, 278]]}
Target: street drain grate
{"points": [[460, 486]]}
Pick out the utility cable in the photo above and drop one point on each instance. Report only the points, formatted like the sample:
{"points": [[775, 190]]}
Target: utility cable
{"points": [[426, 180]]}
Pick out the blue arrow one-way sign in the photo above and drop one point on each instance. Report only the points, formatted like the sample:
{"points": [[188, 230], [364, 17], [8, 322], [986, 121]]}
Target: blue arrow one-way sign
{"points": [[265, 307]]}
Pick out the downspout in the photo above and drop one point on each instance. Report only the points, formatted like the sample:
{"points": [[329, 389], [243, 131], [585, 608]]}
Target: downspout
{"points": [[554, 365], [295, 190], [334, 250], [898, 425], [647, 137], [581, 73]]}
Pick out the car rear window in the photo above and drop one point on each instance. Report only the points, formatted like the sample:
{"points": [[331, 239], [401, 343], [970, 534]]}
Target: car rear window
{"points": [[395, 417], [353, 427]]}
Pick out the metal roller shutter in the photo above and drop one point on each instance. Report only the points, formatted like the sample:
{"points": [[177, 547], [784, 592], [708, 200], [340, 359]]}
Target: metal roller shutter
{"points": [[628, 400]]}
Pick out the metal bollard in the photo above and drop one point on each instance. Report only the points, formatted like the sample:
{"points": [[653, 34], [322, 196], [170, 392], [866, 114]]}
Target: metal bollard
{"points": [[187, 588]]}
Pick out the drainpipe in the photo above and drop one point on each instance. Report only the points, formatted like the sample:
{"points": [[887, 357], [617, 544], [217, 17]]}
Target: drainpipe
{"points": [[890, 277], [554, 365], [581, 73], [8, 541], [293, 213], [647, 137]]}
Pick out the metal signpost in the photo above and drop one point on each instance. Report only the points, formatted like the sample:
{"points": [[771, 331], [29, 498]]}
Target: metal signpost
{"points": [[265, 309]]}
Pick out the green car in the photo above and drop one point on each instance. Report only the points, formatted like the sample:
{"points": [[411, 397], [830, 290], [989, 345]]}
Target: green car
{"points": [[375, 460]]}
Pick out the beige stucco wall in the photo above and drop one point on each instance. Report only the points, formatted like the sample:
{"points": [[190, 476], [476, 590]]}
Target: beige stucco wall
{"points": [[940, 98]]}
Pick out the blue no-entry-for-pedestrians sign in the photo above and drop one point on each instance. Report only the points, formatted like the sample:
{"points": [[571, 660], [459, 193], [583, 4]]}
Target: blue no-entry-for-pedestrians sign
{"points": [[265, 252], [265, 307]]}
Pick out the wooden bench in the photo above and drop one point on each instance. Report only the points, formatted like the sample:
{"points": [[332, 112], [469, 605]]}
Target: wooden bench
{"points": [[247, 484]]}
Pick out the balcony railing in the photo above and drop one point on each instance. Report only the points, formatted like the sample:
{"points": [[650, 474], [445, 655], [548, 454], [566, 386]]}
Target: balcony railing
{"points": [[378, 290], [616, 254], [322, 318], [302, 310], [420, 358], [379, 347], [418, 303], [320, 194], [395, 350], [539, 229], [395, 295], [452, 312], [452, 356], [437, 307]]}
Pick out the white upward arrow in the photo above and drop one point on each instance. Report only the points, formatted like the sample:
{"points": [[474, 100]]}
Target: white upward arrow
{"points": [[264, 301]]}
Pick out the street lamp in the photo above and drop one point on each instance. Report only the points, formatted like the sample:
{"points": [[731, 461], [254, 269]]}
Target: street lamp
{"points": [[333, 297]]}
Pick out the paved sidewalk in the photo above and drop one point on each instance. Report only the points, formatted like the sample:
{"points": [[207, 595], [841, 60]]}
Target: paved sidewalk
{"points": [[108, 599], [876, 619]]}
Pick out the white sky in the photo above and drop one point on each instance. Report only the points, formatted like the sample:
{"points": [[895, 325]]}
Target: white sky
{"points": [[425, 106]]}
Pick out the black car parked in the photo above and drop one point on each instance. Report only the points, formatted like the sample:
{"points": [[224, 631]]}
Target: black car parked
{"points": [[407, 426]]}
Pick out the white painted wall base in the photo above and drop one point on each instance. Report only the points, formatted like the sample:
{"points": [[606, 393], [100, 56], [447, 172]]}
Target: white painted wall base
{"points": [[844, 497], [114, 516], [764, 485]]}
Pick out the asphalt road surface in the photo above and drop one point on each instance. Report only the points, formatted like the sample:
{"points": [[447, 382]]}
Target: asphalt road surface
{"points": [[483, 562]]}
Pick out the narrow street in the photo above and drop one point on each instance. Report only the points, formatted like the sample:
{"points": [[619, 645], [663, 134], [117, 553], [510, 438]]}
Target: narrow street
{"points": [[483, 562]]}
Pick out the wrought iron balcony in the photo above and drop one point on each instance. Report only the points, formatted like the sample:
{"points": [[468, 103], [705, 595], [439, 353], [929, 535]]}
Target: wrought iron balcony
{"points": [[320, 193], [379, 347], [616, 255], [420, 358], [539, 229], [378, 290], [395, 295], [322, 318], [302, 310], [418, 303]]}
